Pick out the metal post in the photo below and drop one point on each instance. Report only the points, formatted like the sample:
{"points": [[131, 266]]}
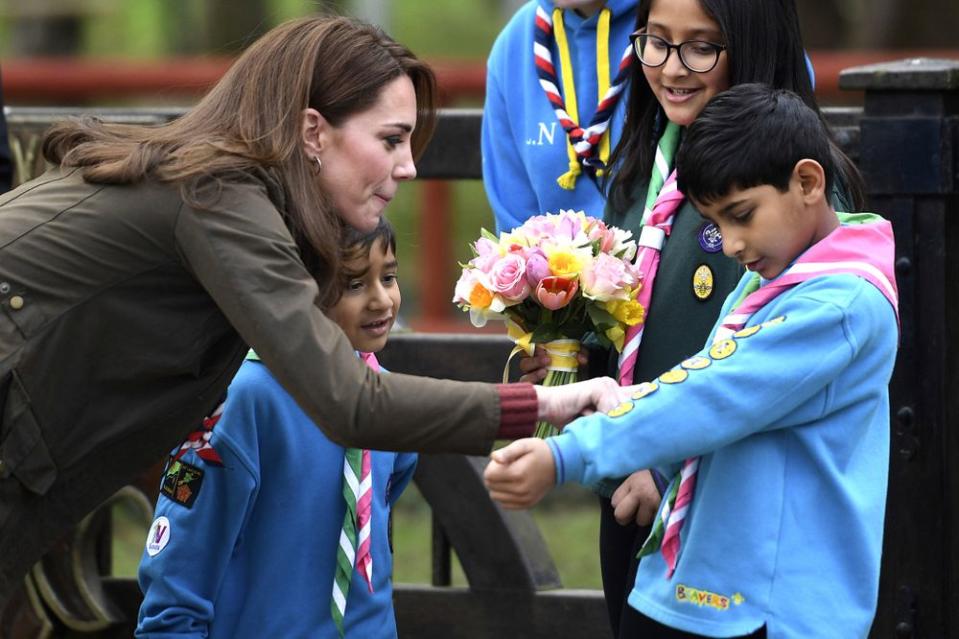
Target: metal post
{"points": [[909, 135]]}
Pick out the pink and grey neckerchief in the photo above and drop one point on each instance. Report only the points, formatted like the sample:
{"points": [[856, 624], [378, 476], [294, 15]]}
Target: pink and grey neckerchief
{"points": [[353, 549], [863, 249], [588, 148]]}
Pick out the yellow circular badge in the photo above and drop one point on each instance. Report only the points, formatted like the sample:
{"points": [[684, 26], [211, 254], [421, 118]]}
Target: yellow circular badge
{"points": [[749, 331], [674, 376], [645, 389], [697, 363], [621, 410], [774, 321], [722, 349], [703, 282]]}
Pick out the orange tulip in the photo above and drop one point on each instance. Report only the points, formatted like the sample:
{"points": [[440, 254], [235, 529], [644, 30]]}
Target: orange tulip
{"points": [[556, 292]]}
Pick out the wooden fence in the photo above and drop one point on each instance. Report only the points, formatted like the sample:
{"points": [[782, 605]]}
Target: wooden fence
{"points": [[905, 140]]}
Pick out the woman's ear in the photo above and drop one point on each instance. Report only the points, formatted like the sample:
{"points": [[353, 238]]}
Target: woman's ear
{"points": [[315, 131], [812, 180]]}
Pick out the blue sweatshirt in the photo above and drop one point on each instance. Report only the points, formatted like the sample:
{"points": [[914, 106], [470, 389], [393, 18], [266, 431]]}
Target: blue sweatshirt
{"points": [[523, 143], [253, 555], [792, 426]]}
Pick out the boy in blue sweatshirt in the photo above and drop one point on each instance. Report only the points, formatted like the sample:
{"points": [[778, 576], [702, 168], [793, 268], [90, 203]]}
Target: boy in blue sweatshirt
{"points": [[776, 433], [264, 527]]}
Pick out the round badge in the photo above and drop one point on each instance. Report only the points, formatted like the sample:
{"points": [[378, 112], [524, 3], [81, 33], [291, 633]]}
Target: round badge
{"points": [[749, 331], [710, 239], [774, 321], [158, 536], [697, 363], [674, 376], [644, 389], [722, 349], [703, 282], [621, 410]]}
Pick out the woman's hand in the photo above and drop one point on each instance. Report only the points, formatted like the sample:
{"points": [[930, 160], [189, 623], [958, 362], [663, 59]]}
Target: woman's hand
{"points": [[560, 405], [636, 499], [534, 368]]}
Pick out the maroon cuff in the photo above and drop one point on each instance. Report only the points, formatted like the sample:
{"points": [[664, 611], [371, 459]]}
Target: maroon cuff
{"points": [[519, 410]]}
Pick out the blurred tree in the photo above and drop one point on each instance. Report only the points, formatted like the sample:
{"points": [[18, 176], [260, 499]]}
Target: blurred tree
{"points": [[823, 24], [879, 24], [233, 24], [905, 23]]}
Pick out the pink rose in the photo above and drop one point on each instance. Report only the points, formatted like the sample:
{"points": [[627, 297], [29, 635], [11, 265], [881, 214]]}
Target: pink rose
{"points": [[508, 277], [600, 233], [487, 253], [606, 277], [556, 292]]}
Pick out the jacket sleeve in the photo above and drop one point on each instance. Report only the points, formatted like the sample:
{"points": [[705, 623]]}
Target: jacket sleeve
{"points": [[403, 468], [180, 582], [242, 254], [508, 186], [773, 378]]}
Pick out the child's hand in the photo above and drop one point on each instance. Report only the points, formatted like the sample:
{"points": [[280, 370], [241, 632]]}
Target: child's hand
{"points": [[636, 499], [520, 474], [560, 405], [534, 368]]}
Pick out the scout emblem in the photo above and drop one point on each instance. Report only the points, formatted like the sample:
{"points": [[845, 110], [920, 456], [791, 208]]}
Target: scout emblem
{"points": [[703, 282], [749, 331], [675, 376], [181, 482], [696, 363], [645, 389], [158, 536], [710, 239], [620, 410], [722, 349]]}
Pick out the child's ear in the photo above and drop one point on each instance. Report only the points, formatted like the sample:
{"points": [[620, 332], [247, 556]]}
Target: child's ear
{"points": [[315, 131], [811, 178]]}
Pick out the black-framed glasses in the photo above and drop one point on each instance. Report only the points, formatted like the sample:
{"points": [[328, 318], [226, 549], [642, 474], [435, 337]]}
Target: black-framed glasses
{"points": [[698, 56]]}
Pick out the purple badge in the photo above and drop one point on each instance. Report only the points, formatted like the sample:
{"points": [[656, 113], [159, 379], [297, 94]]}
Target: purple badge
{"points": [[710, 239]]}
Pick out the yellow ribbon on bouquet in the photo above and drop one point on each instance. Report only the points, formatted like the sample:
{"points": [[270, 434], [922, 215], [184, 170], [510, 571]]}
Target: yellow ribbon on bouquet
{"points": [[562, 352]]}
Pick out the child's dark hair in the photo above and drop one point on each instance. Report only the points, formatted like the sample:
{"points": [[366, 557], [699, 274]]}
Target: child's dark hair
{"points": [[764, 45], [751, 135], [354, 245]]}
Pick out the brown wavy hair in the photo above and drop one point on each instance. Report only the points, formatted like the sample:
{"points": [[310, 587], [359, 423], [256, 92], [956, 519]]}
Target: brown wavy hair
{"points": [[251, 120]]}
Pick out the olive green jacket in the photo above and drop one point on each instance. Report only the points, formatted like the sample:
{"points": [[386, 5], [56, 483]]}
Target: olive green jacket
{"points": [[124, 313]]}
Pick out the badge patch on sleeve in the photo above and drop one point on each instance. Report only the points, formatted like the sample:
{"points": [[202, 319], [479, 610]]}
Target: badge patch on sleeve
{"points": [[696, 363], [722, 349], [158, 536], [675, 376], [181, 482], [749, 331], [644, 389], [621, 410]]}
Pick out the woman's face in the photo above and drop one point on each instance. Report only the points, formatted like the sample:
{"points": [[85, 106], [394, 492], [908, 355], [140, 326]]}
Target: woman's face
{"points": [[683, 93], [367, 156]]}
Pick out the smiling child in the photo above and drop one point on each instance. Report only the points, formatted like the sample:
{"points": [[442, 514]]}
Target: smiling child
{"points": [[289, 534]]}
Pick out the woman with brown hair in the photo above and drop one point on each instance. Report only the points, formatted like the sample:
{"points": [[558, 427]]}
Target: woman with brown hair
{"points": [[136, 273]]}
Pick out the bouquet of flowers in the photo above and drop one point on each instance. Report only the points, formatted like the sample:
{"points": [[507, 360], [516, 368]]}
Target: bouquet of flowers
{"points": [[555, 280]]}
